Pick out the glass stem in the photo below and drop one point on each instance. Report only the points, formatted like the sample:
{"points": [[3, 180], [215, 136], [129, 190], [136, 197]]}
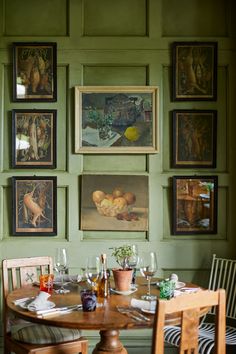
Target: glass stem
{"points": [[149, 286], [62, 278]]}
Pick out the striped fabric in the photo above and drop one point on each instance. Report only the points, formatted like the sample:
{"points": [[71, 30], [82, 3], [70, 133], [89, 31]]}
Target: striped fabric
{"points": [[223, 275], [41, 334], [206, 337]]}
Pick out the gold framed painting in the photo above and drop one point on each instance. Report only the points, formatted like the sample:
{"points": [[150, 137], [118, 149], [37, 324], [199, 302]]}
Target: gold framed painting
{"points": [[116, 119]]}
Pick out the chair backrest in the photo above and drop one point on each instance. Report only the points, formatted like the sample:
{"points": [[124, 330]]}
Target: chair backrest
{"points": [[20, 272], [223, 275], [188, 306]]}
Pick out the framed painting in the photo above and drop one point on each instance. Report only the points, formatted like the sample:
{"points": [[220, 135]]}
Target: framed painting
{"points": [[114, 202], [194, 138], [195, 205], [114, 119], [34, 209], [194, 71], [34, 138], [34, 72]]}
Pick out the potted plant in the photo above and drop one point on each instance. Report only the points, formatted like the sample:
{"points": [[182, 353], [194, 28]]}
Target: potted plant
{"points": [[123, 275]]}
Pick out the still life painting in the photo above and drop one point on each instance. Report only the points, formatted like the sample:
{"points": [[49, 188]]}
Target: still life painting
{"points": [[34, 138], [194, 71], [34, 206], [114, 202], [194, 138], [116, 119], [195, 205], [34, 72]]}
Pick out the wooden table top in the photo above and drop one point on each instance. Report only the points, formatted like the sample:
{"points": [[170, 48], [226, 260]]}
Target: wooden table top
{"points": [[103, 318]]}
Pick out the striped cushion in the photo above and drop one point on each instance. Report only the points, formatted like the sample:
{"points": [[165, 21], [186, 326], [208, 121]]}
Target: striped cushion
{"points": [[41, 334]]}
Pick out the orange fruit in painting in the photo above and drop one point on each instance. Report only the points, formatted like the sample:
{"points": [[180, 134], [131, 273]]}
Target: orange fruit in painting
{"points": [[120, 202], [98, 196], [117, 192], [130, 197], [109, 197]]}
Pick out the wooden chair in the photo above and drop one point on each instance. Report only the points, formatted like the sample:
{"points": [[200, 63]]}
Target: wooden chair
{"points": [[189, 307], [19, 273], [222, 275]]}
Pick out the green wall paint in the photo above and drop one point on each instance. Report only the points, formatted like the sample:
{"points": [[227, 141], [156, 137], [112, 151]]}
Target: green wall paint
{"points": [[122, 42]]}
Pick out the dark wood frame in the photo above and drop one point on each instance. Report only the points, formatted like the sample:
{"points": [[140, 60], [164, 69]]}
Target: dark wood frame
{"points": [[194, 212], [194, 134], [34, 204], [35, 72], [194, 71], [40, 123]]}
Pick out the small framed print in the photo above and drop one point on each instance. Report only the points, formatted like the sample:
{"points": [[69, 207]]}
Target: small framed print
{"points": [[34, 72], [34, 209], [116, 119], [34, 138], [195, 205], [194, 138], [194, 71]]}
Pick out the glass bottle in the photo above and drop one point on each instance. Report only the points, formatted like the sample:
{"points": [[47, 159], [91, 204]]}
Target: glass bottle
{"points": [[103, 283]]}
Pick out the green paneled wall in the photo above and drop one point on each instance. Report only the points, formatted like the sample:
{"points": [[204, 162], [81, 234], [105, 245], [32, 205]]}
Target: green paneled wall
{"points": [[122, 42]]}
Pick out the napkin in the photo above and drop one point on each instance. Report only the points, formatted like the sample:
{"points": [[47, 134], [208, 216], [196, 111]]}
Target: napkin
{"points": [[143, 304], [39, 301]]}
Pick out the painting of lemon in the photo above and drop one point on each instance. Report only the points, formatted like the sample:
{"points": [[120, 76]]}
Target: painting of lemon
{"points": [[132, 133]]}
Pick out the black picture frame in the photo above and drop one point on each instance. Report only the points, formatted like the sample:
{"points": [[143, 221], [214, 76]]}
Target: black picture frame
{"points": [[34, 138], [194, 205], [34, 71], [194, 71], [34, 206], [194, 135]]}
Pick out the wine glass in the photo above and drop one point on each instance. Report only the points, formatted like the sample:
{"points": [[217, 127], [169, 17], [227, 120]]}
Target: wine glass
{"points": [[61, 265], [92, 270], [148, 268], [132, 262]]}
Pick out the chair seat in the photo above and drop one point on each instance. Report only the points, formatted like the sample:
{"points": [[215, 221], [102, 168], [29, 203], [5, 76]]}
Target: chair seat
{"points": [[206, 336], [41, 334]]}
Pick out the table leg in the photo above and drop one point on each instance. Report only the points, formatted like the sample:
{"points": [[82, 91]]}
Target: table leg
{"points": [[109, 343]]}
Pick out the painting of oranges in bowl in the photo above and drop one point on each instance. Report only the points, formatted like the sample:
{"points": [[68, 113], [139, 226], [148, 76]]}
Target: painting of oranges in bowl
{"points": [[114, 202]]}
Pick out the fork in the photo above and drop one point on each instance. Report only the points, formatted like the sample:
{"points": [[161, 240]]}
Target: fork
{"points": [[133, 313]]}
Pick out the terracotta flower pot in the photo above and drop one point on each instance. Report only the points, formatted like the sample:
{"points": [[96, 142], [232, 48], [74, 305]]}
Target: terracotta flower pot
{"points": [[122, 279]]}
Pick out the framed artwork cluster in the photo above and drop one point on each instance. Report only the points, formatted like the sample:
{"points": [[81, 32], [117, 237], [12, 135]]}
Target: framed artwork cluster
{"points": [[194, 138], [34, 139]]}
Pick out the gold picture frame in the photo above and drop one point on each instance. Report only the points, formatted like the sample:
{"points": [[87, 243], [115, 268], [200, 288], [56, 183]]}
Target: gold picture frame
{"points": [[116, 119]]}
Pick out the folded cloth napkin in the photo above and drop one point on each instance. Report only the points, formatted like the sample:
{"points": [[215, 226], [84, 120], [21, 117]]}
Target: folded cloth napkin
{"points": [[39, 302], [143, 304]]}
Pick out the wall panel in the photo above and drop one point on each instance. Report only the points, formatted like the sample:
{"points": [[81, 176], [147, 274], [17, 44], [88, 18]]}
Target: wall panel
{"points": [[195, 18], [36, 18], [120, 18]]}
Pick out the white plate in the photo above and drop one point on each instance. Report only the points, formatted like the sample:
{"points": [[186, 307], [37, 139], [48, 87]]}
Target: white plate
{"points": [[179, 285], [148, 311], [128, 292], [48, 305]]}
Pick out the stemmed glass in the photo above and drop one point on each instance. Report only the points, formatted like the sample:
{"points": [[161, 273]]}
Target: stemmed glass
{"points": [[61, 265], [92, 270], [132, 262], [148, 268]]}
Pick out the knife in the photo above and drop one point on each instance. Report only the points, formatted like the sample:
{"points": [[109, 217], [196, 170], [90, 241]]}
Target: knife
{"points": [[58, 309]]}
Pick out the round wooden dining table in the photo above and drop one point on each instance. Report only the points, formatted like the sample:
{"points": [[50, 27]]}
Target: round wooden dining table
{"points": [[105, 318]]}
